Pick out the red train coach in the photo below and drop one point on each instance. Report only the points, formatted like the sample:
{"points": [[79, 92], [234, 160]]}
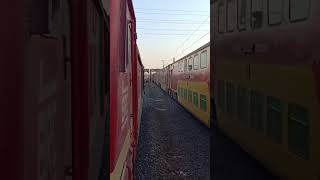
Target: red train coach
{"points": [[54, 91], [126, 85]]}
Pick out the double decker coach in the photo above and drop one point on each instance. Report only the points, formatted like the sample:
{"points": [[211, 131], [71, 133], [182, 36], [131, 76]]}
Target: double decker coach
{"points": [[266, 75], [188, 81]]}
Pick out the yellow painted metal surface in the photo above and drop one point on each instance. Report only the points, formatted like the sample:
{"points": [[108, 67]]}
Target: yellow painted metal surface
{"points": [[200, 88], [291, 84], [120, 166]]}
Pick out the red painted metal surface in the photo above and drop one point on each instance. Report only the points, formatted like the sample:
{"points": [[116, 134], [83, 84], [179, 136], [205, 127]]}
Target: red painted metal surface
{"points": [[170, 76], [80, 86], [13, 40], [37, 90], [124, 87]]}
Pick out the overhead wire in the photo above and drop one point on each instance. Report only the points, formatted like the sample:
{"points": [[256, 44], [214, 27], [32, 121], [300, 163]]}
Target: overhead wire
{"points": [[138, 12], [169, 10], [193, 44], [187, 20], [192, 33], [168, 34], [170, 29], [171, 22], [193, 13]]}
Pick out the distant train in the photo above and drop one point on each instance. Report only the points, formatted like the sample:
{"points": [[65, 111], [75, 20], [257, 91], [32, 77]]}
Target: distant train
{"points": [[126, 90], [188, 81], [266, 75], [54, 92]]}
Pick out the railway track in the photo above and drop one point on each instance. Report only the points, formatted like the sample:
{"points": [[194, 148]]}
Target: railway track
{"points": [[172, 143]]}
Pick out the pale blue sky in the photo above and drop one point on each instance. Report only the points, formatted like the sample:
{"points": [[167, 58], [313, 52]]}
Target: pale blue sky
{"points": [[167, 28]]}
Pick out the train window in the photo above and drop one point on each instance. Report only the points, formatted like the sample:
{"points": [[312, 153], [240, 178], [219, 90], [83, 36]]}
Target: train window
{"points": [[196, 62], [185, 94], [274, 12], [221, 96], [256, 115], [190, 96], [181, 62], [298, 130], [256, 14], [182, 65], [203, 102], [221, 18], [274, 119], [55, 6], [243, 104], [231, 15], [124, 63], [185, 65], [203, 60], [190, 63], [195, 99], [299, 10], [242, 8], [129, 46], [230, 99]]}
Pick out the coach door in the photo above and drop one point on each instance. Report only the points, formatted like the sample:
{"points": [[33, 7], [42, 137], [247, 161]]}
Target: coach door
{"points": [[48, 95]]}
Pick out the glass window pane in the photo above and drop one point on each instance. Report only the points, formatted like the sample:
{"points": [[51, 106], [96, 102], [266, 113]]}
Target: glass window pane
{"points": [[230, 98], [185, 65], [232, 15], [275, 11], [196, 62], [243, 105], [203, 102], [299, 9], [129, 47], [195, 99], [203, 59], [190, 63], [190, 96], [185, 93], [256, 118], [221, 18], [274, 119], [242, 8], [298, 130], [257, 14]]}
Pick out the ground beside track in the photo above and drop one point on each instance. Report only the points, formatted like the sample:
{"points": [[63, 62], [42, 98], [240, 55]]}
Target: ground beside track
{"points": [[172, 143], [230, 162], [175, 145]]}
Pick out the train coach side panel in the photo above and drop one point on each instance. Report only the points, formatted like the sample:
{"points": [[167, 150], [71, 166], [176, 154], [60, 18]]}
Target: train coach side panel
{"points": [[270, 73], [120, 99], [194, 87]]}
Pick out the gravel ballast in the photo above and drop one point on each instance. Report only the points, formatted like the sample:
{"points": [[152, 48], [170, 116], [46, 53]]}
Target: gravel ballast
{"points": [[172, 143]]}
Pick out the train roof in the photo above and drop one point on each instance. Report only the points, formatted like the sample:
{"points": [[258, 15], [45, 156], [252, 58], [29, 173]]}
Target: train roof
{"points": [[200, 48]]}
